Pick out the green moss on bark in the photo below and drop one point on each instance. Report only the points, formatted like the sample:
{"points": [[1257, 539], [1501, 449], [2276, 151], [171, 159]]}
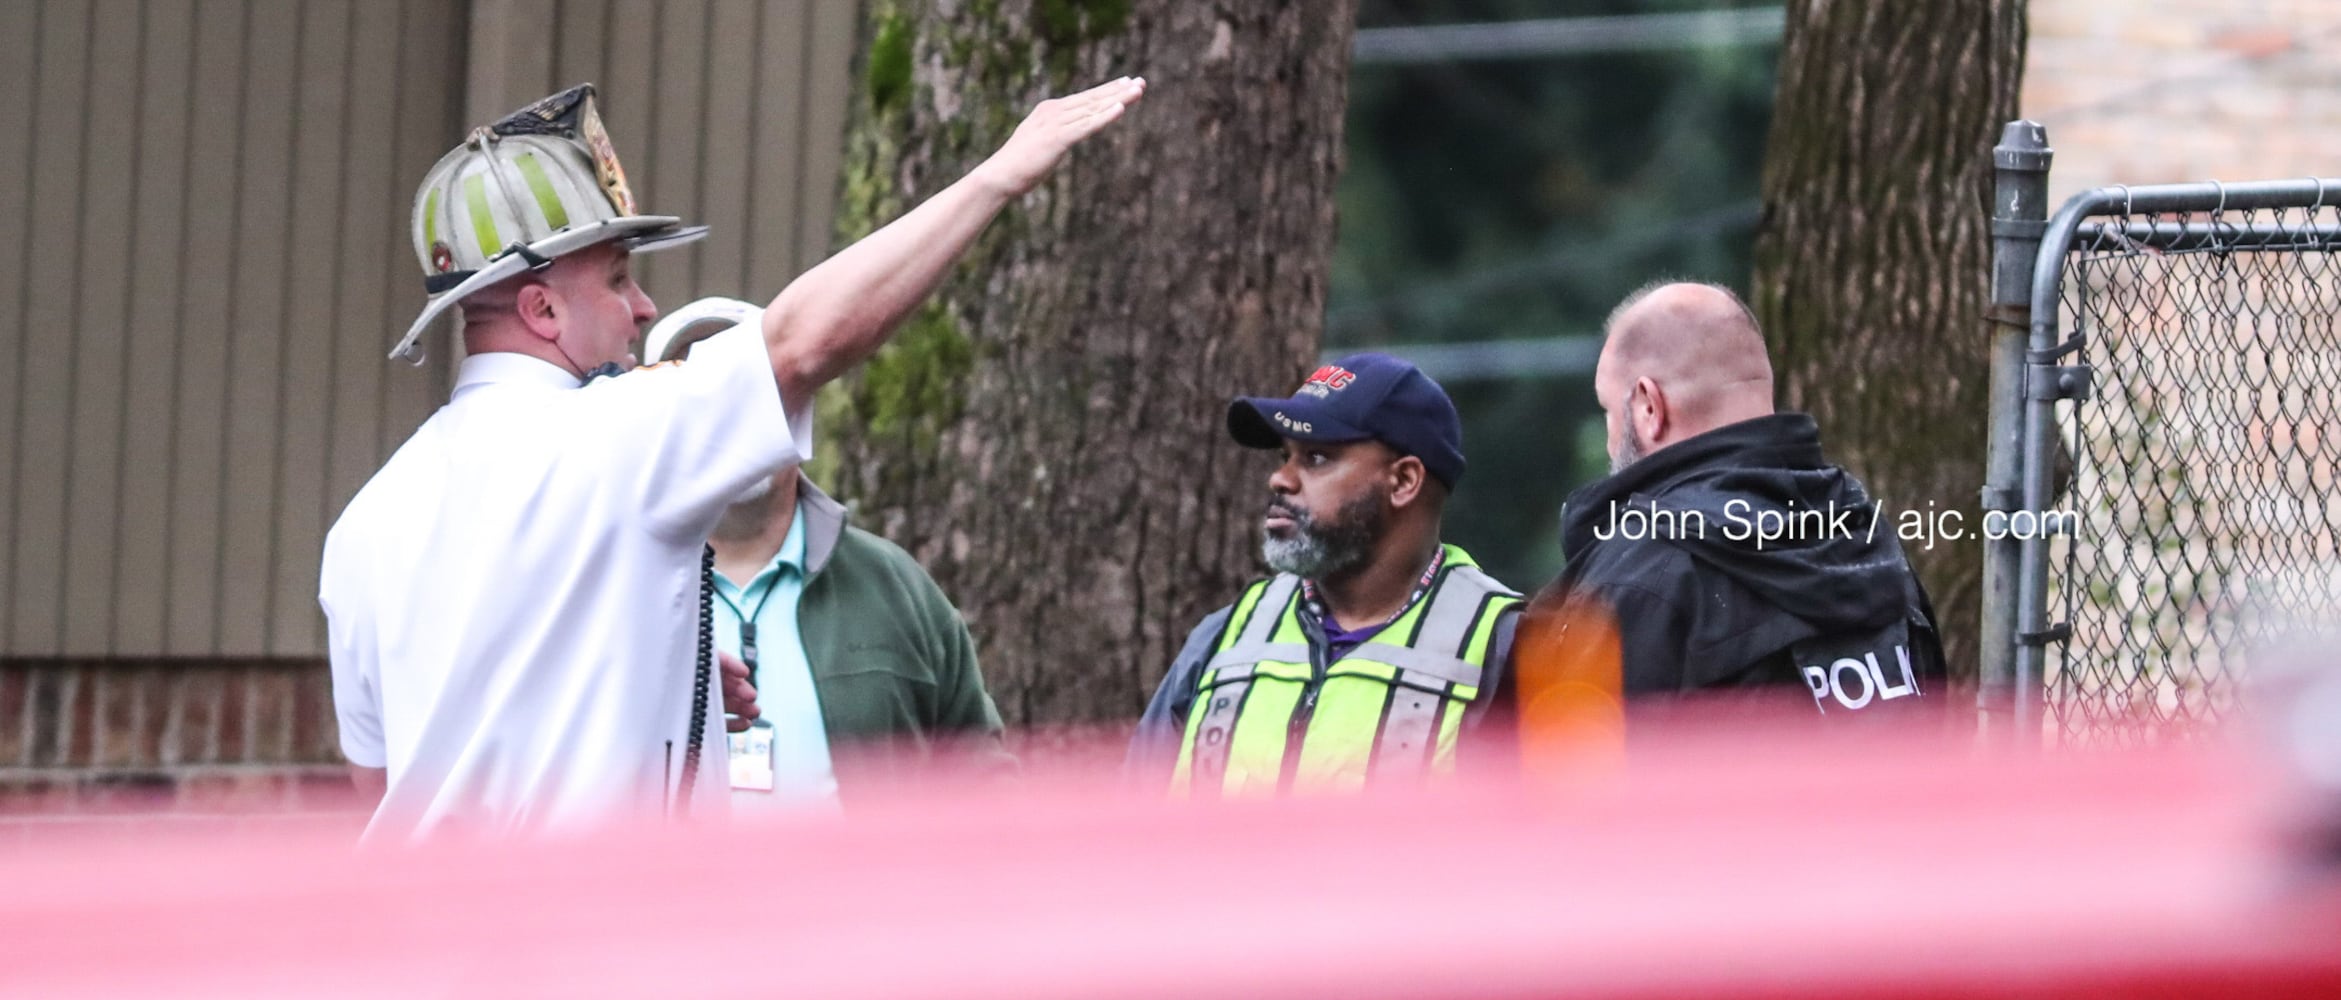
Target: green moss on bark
{"points": [[1067, 26], [887, 71], [866, 194], [1068, 23], [917, 384]]}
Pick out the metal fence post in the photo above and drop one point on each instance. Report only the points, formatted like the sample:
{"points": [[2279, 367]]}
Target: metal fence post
{"points": [[2019, 216]]}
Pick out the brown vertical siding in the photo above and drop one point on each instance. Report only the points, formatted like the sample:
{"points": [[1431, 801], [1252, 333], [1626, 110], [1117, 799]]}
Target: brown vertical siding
{"points": [[245, 540], [729, 93], [372, 284], [305, 373], [99, 341], [775, 140], [19, 71], [44, 382], [680, 138], [197, 428], [203, 263], [427, 105], [820, 136], [158, 268]]}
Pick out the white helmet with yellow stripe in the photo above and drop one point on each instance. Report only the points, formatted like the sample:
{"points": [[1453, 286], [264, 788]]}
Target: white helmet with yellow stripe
{"points": [[542, 182]]}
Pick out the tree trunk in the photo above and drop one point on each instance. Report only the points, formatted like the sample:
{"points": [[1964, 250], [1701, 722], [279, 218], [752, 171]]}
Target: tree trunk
{"points": [[1872, 266], [1048, 435]]}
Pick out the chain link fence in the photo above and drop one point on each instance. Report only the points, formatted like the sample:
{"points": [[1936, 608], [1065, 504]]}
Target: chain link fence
{"points": [[2203, 467], [2185, 490]]}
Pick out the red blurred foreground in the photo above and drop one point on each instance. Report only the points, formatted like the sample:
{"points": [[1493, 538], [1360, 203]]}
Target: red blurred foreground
{"points": [[1731, 866]]}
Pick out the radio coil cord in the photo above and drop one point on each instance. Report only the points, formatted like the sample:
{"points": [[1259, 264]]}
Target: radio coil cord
{"points": [[704, 680]]}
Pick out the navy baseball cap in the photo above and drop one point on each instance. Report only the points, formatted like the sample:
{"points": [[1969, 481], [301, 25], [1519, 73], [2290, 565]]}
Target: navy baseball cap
{"points": [[1359, 397]]}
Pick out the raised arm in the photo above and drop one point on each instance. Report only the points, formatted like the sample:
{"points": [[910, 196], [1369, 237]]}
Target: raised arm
{"points": [[839, 312]]}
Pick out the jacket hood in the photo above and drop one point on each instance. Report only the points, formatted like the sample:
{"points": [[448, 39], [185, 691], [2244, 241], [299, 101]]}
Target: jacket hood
{"points": [[825, 521], [1756, 501]]}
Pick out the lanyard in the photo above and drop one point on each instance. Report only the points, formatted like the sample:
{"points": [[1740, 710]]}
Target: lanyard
{"points": [[748, 622], [1317, 607]]}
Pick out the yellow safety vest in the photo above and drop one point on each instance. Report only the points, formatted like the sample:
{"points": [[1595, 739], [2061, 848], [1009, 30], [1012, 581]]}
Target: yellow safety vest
{"points": [[1268, 716]]}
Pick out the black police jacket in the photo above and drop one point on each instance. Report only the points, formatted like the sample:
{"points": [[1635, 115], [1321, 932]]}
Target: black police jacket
{"points": [[1741, 559]]}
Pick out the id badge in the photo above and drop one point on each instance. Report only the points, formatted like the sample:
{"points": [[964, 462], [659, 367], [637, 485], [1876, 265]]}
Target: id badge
{"points": [[751, 758]]}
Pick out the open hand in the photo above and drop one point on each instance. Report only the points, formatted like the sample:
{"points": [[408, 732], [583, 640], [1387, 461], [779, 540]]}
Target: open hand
{"points": [[739, 696], [1039, 144]]}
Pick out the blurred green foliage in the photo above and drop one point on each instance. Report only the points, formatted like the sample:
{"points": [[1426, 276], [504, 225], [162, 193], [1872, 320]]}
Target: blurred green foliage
{"points": [[1522, 198]]}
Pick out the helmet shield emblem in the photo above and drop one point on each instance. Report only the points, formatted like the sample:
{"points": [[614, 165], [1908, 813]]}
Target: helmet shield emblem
{"points": [[572, 114]]}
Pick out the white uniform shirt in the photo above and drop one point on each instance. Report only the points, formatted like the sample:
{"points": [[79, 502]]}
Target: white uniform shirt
{"points": [[512, 602]]}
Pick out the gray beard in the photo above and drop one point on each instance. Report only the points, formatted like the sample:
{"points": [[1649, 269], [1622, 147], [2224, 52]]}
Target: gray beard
{"points": [[1305, 556], [1317, 550]]}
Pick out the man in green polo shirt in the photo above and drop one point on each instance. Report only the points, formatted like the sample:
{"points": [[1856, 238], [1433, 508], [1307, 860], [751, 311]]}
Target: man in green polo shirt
{"points": [[864, 672]]}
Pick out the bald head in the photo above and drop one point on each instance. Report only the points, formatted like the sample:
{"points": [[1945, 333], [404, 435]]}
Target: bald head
{"points": [[1680, 359]]}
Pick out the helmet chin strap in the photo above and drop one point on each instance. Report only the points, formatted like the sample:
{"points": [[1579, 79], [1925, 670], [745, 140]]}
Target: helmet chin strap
{"points": [[576, 367], [583, 370]]}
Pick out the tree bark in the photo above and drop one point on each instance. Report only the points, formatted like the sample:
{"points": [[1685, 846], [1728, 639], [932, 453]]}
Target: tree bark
{"points": [[1872, 265], [1048, 435]]}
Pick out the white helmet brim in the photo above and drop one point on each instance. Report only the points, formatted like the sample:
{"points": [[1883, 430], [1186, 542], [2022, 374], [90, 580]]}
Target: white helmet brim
{"points": [[639, 233]]}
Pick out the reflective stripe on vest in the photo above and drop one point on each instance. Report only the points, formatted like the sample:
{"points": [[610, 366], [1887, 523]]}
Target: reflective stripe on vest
{"points": [[1225, 683], [1391, 709]]}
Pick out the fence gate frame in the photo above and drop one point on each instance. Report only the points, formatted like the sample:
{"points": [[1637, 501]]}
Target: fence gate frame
{"points": [[2032, 370]]}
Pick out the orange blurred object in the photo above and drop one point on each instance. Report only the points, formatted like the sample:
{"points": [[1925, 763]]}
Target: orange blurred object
{"points": [[1569, 666]]}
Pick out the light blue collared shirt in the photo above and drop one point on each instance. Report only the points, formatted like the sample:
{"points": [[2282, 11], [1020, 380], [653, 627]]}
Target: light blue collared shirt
{"points": [[801, 773]]}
